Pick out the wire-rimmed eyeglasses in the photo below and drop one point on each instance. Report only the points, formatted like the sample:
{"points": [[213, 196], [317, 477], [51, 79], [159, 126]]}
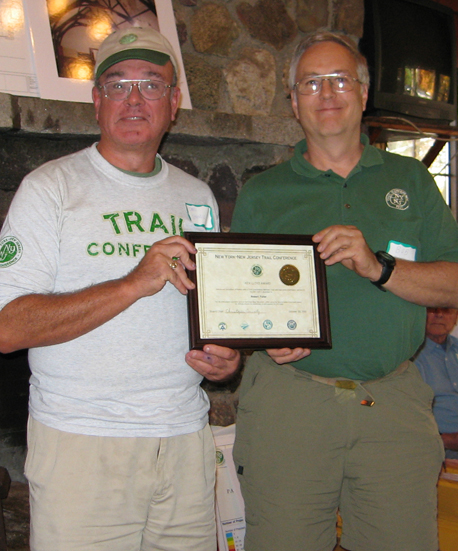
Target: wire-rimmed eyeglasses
{"points": [[308, 86], [120, 90]]}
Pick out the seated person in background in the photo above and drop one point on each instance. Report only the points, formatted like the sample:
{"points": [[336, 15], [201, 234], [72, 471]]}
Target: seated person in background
{"points": [[438, 365]]}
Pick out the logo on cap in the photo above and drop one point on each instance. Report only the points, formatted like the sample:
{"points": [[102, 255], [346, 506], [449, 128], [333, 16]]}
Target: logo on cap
{"points": [[128, 38]]}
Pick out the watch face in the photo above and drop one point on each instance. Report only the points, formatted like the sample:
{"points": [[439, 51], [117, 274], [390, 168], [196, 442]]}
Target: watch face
{"points": [[386, 258]]}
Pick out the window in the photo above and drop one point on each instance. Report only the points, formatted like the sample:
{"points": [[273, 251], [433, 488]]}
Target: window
{"points": [[440, 169]]}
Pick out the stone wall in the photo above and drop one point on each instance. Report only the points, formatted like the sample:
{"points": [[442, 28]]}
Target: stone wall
{"points": [[236, 55]]}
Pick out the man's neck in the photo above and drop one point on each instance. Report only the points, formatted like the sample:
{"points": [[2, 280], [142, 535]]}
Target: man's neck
{"points": [[334, 154], [439, 339], [131, 160]]}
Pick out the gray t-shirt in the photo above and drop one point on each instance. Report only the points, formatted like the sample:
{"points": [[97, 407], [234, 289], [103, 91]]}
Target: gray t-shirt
{"points": [[78, 221]]}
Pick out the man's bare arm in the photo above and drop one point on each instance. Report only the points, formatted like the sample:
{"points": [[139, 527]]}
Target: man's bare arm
{"points": [[40, 320], [427, 284], [450, 440]]}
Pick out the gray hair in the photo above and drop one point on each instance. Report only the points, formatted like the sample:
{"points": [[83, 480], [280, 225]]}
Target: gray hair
{"points": [[329, 36]]}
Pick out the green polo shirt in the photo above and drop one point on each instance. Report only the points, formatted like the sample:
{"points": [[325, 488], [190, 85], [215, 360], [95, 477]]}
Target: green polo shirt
{"points": [[395, 202]]}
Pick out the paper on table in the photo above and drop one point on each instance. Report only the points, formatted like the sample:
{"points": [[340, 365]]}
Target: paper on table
{"points": [[230, 509]]}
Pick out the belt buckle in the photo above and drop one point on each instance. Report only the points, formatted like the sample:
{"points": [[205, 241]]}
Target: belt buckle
{"points": [[346, 384]]}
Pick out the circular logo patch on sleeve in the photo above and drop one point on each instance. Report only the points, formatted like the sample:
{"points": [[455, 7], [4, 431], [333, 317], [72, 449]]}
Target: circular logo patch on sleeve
{"points": [[10, 251]]}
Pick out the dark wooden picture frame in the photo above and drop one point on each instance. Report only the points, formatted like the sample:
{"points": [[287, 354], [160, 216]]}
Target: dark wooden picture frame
{"points": [[323, 340]]}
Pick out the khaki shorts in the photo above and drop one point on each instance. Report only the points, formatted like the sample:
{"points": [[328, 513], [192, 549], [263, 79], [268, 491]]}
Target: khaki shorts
{"points": [[120, 494], [305, 449]]}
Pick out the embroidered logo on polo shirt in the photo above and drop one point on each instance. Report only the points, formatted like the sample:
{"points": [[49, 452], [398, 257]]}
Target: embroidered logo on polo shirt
{"points": [[10, 251], [397, 199]]}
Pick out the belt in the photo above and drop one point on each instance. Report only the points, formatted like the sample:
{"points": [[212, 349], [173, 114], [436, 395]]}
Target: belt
{"points": [[350, 384]]}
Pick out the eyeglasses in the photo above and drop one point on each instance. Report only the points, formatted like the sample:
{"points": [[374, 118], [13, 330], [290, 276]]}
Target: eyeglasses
{"points": [[119, 90], [309, 86]]}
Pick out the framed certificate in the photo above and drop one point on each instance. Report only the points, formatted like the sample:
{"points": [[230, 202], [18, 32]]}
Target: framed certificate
{"points": [[257, 291]]}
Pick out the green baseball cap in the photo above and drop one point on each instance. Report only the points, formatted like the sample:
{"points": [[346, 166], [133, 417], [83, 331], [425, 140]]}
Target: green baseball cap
{"points": [[134, 43]]}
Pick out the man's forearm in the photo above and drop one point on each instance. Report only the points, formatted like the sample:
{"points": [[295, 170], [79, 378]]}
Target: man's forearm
{"points": [[41, 320], [450, 440], [426, 283]]}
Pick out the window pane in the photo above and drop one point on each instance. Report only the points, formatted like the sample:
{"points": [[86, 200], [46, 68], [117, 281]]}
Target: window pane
{"points": [[440, 168]]}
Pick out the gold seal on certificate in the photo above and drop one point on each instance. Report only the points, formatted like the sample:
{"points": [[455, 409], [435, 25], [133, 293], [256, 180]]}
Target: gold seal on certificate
{"points": [[257, 291], [289, 274]]}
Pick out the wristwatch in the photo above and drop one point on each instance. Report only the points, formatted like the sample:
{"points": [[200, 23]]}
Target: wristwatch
{"points": [[388, 262]]}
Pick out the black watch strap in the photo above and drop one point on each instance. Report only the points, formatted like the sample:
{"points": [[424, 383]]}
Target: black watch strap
{"points": [[388, 263]]}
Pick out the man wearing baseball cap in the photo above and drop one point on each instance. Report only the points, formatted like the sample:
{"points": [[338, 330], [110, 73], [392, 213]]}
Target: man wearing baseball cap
{"points": [[120, 455]]}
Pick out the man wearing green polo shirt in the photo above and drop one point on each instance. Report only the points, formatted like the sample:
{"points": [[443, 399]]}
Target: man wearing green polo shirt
{"points": [[306, 446]]}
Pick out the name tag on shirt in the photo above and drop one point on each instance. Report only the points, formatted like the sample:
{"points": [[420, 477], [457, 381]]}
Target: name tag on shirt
{"points": [[400, 250]]}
